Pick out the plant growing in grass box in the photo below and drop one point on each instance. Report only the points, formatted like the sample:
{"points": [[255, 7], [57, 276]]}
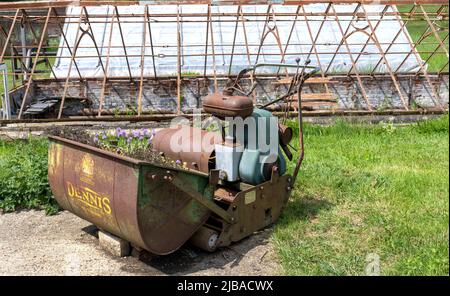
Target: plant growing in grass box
{"points": [[122, 141], [135, 143]]}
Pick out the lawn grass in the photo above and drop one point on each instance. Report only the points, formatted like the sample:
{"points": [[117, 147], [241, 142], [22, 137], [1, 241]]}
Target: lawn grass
{"points": [[369, 189]]}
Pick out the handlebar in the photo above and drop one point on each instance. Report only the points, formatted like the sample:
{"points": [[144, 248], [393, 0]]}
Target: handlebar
{"points": [[296, 83], [233, 87], [295, 86]]}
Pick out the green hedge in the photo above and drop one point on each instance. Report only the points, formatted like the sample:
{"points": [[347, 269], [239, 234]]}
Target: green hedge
{"points": [[23, 176]]}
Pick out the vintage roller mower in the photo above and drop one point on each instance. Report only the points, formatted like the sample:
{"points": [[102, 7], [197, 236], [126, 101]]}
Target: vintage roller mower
{"points": [[229, 189]]}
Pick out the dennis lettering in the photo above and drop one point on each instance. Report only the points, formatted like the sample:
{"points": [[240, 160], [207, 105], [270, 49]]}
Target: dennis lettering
{"points": [[90, 198]]}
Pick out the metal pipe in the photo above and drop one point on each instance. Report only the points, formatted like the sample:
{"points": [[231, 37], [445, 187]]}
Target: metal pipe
{"points": [[5, 104]]}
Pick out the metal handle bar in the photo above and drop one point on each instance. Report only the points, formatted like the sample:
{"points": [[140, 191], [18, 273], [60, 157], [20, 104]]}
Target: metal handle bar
{"points": [[293, 90], [253, 68]]}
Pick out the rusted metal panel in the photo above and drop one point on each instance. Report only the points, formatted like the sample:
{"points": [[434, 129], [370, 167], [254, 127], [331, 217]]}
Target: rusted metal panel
{"points": [[55, 167], [225, 194], [126, 187], [167, 216], [88, 187], [130, 198], [254, 207]]}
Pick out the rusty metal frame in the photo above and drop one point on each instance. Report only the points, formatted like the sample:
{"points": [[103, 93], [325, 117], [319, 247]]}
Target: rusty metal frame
{"points": [[244, 30], [433, 29], [386, 7], [64, 3], [291, 31], [91, 34], [179, 61], [263, 34], [11, 29], [314, 40], [7, 41], [151, 40], [402, 25], [72, 60], [209, 21], [32, 13], [435, 96], [36, 39], [63, 34], [116, 10], [275, 33], [422, 37], [105, 77], [206, 41], [30, 78], [342, 40], [441, 71], [436, 50], [234, 40], [141, 80], [374, 37], [355, 71]]}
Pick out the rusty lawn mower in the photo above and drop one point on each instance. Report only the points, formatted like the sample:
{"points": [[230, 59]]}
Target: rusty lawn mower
{"points": [[224, 195]]}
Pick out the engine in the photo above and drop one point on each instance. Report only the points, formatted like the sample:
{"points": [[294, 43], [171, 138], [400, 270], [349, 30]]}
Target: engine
{"points": [[251, 149]]}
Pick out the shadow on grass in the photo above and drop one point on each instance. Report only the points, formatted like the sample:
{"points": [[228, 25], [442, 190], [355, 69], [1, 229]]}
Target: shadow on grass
{"points": [[304, 209]]}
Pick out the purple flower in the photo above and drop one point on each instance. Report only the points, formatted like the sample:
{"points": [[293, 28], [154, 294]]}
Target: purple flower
{"points": [[141, 138], [96, 139], [104, 136], [146, 132], [149, 141], [153, 132], [121, 132], [129, 140], [178, 161], [136, 134]]}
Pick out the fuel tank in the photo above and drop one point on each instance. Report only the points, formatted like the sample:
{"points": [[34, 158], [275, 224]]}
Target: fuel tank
{"points": [[222, 106]]}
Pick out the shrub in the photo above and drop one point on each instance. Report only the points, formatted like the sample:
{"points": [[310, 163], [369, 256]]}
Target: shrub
{"points": [[23, 176]]}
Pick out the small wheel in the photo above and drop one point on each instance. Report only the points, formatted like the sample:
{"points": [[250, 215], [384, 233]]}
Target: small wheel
{"points": [[205, 239]]}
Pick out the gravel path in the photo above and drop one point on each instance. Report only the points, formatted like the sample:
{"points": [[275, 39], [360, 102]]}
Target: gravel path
{"points": [[34, 244]]}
